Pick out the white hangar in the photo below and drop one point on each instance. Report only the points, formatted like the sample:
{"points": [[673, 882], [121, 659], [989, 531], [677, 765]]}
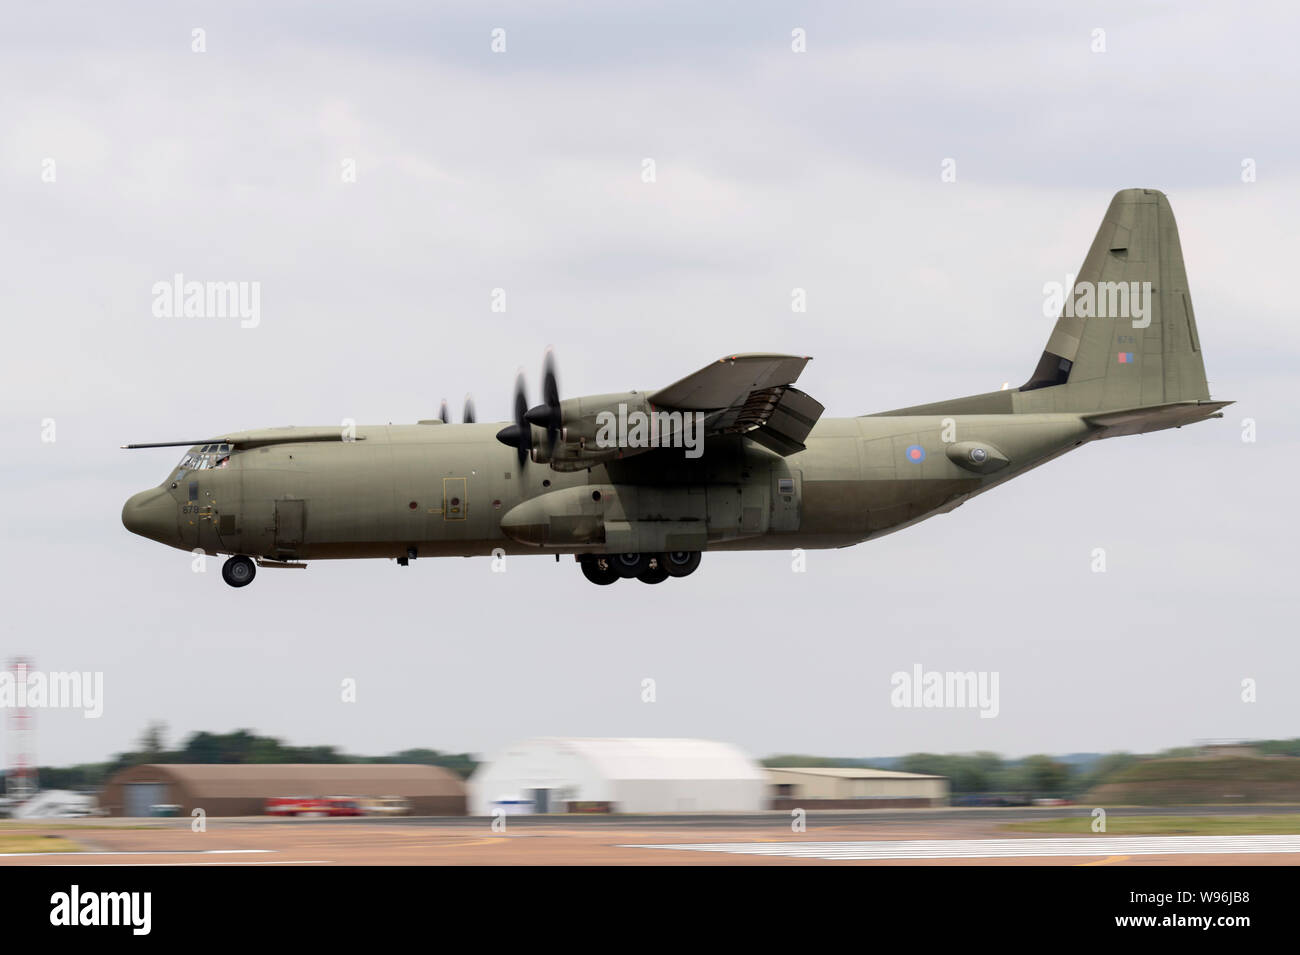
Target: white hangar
{"points": [[618, 775]]}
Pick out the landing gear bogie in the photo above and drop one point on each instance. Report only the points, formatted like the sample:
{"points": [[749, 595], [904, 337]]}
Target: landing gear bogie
{"points": [[604, 569]]}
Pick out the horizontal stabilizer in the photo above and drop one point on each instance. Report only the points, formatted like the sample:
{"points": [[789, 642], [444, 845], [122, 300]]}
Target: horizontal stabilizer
{"points": [[1155, 417]]}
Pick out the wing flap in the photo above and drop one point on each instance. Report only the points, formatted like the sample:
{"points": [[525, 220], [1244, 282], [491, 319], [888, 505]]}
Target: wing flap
{"points": [[750, 395], [777, 418], [791, 420]]}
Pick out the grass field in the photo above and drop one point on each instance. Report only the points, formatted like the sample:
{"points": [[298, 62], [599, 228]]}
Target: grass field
{"points": [[1168, 825], [26, 825], [35, 842]]}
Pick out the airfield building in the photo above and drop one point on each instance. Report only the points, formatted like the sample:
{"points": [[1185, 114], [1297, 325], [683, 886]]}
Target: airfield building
{"points": [[242, 789], [548, 775], [818, 787]]}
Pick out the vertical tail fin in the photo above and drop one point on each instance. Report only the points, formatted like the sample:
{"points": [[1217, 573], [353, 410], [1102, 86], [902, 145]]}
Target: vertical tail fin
{"points": [[1126, 337]]}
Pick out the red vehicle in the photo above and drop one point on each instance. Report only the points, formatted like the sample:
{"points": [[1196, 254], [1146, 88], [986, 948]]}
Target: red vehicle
{"points": [[314, 806]]}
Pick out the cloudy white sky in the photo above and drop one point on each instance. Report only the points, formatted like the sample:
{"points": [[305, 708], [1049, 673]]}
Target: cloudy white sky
{"points": [[522, 170]]}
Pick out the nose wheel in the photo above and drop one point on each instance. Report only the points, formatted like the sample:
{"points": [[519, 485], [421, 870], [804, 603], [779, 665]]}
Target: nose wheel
{"points": [[238, 571]]}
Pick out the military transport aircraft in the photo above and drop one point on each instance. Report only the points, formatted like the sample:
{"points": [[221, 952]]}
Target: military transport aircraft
{"points": [[732, 457]]}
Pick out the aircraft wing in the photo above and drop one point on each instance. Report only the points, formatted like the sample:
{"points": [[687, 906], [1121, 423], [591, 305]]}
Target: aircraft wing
{"points": [[717, 385], [752, 395]]}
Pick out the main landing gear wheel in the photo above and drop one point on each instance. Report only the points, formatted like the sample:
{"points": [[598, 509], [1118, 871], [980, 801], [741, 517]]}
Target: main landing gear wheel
{"points": [[599, 570], [630, 565], [656, 571], [681, 563], [239, 571]]}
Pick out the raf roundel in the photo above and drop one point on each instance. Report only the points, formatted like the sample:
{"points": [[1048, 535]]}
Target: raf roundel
{"points": [[915, 453]]}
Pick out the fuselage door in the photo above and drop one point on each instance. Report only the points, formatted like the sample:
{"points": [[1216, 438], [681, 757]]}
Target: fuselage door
{"points": [[755, 508], [455, 498], [738, 510], [290, 522], [787, 496]]}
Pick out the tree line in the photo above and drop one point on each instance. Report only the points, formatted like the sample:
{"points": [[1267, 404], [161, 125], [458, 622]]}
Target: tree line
{"points": [[239, 746], [1032, 777]]}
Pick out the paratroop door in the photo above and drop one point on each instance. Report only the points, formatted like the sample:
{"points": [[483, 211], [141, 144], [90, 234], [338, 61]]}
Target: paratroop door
{"points": [[787, 492], [290, 522]]}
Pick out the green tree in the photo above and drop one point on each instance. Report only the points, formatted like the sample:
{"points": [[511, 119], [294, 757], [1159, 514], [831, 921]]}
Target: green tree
{"points": [[1042, 776]]}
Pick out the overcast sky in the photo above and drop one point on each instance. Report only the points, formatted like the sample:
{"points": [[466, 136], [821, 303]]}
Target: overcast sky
{"points": [[522, 170]]}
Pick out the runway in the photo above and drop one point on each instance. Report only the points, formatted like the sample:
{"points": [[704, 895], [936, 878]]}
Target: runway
{"points": [[1002, 848], [910, 837]]}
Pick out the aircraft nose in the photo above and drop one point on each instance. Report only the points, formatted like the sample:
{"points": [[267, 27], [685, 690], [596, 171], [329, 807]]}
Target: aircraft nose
{"points": [[151, 514]]}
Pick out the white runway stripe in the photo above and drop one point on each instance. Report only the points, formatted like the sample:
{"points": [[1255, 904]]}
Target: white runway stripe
{"points": [[999, 848], [143, 852], [173, 865]]}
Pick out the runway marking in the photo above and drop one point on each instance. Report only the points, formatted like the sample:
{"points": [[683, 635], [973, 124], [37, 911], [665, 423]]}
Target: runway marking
{"points": [[145, 865], [494, 840], [997, 848], [158, 852], [489, 841]]}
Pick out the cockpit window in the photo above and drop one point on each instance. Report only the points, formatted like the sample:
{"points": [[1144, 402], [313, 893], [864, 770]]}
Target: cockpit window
{"points": [[204, 457]]}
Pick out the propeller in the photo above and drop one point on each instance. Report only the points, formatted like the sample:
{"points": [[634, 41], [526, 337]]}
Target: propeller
{"points": [[467, 415], [520, 434], [548, 414]]}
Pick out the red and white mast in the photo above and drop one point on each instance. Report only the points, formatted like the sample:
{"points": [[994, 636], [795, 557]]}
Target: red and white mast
{"points": [[20, 725]]}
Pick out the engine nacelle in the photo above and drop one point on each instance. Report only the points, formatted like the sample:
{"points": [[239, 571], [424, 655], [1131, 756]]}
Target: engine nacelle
{"points": [[595, 429]]}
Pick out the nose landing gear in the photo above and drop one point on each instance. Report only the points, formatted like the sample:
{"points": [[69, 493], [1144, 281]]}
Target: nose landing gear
{"points": [[604, 569], [238, 571]]}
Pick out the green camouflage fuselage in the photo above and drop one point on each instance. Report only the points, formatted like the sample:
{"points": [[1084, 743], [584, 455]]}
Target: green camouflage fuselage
{"points": [[445, 490]]}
